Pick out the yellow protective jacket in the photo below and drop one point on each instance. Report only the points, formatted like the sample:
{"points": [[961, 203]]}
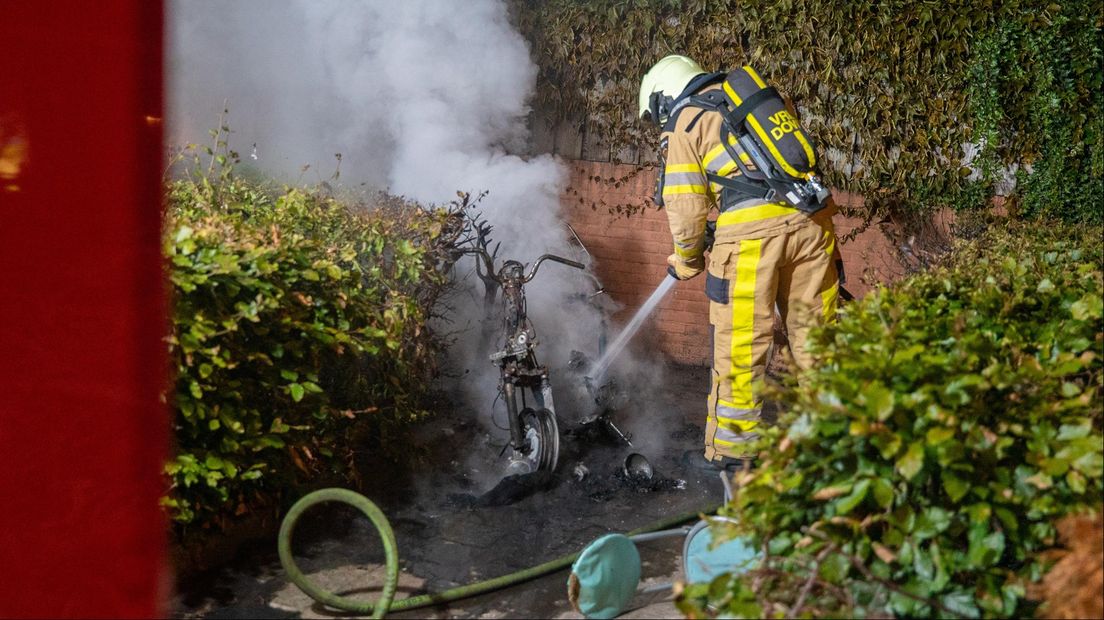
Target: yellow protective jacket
{"points": [[692, 146]]}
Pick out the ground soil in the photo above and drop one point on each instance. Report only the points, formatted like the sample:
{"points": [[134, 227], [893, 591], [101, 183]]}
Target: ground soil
{"points": [[454, 526]]}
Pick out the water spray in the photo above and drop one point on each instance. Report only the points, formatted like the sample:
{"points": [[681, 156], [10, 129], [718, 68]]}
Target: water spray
{"points": [[615, 349]]}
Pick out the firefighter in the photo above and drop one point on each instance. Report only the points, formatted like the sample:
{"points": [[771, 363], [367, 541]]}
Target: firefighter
{"points": [[766, 254]]}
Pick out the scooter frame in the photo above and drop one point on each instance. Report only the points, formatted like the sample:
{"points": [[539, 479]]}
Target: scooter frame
{"points": [[534, 432]]}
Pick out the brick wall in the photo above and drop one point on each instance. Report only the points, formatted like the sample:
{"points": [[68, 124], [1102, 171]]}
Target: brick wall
{"points": [[630, 254]]}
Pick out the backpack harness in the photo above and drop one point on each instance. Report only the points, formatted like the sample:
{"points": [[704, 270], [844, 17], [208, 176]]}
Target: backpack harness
{"points": [[784, 158]]}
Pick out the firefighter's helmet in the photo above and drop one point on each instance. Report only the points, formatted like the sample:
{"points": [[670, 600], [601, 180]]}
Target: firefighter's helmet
{"points": [[663, 83]]}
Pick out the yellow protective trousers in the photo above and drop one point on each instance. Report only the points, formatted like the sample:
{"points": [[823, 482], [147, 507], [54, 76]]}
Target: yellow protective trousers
{"points": [[746, 278]]}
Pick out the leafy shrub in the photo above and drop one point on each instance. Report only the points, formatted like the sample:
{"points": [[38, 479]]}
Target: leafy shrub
{"points": [[297, 320], [947, 423]]}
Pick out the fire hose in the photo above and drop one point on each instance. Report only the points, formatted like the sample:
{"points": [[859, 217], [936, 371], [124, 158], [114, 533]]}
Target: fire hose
{"points": [[385, 602]]}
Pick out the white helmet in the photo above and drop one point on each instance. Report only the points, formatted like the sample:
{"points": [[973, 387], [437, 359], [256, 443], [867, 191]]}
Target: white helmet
{"points": [[663, 82]]}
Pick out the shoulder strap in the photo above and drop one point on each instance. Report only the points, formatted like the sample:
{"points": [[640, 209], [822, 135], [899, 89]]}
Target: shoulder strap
{"points": [[701, 82], [747, 106], [672, 118], [688, 96], [710, 100]]}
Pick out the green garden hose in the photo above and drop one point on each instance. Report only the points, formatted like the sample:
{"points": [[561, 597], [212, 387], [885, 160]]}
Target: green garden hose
{"points": [[383, 526], [384, 604]]}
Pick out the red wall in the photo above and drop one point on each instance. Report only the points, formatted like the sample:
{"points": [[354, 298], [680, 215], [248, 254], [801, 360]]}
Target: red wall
{"points": [[631, 255], [83, 433]]}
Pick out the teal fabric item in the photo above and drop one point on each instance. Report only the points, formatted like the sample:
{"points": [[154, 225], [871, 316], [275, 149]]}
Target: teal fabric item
{"points": [[608, 571], [703, 564]]}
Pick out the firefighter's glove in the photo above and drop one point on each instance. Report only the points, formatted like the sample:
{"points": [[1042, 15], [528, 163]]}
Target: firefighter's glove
{"points": [[683, 268]]}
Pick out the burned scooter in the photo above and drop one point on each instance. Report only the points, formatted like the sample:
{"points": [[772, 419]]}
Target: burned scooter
{"points": [[523, 381]]}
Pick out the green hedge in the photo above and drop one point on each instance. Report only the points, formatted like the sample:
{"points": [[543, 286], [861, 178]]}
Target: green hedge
{"points": [[898, 85], [297, 322], [948, 422]]}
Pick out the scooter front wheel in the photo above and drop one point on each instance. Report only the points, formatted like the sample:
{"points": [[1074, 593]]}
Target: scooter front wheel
{"points": [[542, 439]]}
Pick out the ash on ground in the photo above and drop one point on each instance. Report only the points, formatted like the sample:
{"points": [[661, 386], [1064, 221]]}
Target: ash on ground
{"points": [[603, 488]]}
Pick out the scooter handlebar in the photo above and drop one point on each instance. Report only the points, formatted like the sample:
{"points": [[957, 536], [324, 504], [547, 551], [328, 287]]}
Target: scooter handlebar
{"points": [[559, 259]]}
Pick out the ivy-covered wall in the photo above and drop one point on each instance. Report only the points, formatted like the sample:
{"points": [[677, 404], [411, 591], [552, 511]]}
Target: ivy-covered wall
{"points": [[915, 104]]}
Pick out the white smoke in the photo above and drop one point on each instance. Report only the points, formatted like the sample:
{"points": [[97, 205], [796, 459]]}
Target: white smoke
{"points": [[256, 58], [423, 97]]}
